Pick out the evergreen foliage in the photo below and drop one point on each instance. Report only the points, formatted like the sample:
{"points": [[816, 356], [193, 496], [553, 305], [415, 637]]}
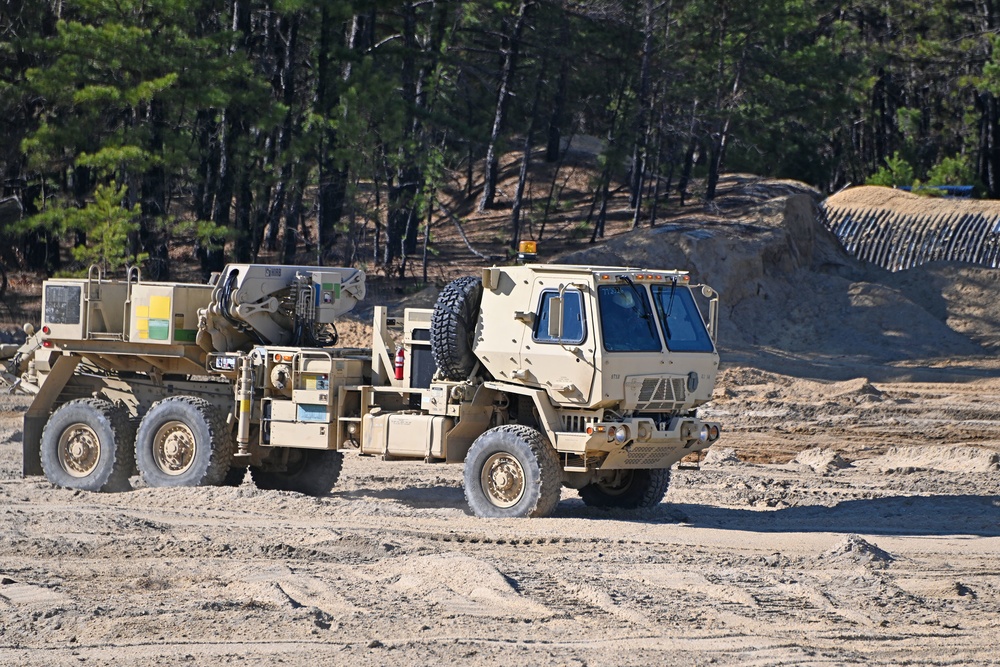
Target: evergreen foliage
{"points": [[235, 121]]}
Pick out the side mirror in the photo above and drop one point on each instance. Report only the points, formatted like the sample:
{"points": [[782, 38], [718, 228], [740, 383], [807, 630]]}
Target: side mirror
{"points": [[555, 317]]}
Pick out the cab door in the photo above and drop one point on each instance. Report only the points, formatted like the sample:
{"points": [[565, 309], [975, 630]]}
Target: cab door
{"points": [[559, 356]]}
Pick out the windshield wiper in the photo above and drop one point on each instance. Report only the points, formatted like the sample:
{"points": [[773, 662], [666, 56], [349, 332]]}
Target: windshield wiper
{"points": [[639, 298], [670, 307]]}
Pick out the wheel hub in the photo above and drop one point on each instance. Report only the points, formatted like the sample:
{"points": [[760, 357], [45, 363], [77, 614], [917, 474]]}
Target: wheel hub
{"points": [[503, 480], [618, 484], [174, 448], [79, 450]]}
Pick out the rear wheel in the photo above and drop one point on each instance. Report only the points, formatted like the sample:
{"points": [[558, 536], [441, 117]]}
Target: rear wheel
{"points": [[183, 441], [628, 489], [313, 472], [511, 471], [87, 444]]}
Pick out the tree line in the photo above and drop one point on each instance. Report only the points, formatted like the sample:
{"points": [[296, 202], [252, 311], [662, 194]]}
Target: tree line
{"points": [[128, 123]]}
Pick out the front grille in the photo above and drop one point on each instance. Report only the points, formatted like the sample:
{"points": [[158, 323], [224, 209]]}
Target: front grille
{"points": [[660, 394], [578, 423], [646, 457]]}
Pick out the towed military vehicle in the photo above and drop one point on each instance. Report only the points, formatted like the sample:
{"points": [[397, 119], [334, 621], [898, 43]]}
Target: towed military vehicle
{"points": [[533, 377]]}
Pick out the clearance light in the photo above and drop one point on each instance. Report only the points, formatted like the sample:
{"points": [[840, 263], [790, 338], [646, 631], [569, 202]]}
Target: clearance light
{"points": [[644, 432], [46, 330], [46, 343]]}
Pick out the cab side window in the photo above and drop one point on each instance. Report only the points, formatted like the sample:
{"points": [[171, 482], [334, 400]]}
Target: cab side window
{"points": [[574, 324]]}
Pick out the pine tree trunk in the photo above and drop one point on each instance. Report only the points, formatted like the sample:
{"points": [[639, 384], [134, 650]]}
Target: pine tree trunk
{"points": [[492, 167], [154, 200], [557, 119], [522, 178]]}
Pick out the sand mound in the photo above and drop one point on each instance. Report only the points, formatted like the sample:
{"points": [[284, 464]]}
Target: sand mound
{"points": [[785, 280], [721, 457], [821, 460], [962, 296], [905, 203], [959, 458], [462, 583], [856, 550], [897, 230]]}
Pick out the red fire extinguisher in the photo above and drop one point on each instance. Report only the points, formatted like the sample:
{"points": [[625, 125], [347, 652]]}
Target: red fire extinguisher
{"points": [[399, 362]]}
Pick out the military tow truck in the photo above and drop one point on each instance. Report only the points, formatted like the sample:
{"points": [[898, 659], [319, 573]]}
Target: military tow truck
{"points": [[534, 377]]}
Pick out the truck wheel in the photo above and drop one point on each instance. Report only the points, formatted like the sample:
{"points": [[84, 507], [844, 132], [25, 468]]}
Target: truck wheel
{"points": [[87, 444], [453, 326], [313, 472], [511, 471], [183, 441], [628, 489]]}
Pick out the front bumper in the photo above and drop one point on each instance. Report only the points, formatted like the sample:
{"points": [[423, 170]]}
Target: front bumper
{"points": [[645, 443]]}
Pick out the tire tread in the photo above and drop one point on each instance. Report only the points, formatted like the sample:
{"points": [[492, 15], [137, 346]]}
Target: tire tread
{"points": [[453, 323]]}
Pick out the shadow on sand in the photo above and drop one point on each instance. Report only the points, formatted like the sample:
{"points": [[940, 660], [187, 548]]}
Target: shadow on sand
{"points": [[895, 515]]}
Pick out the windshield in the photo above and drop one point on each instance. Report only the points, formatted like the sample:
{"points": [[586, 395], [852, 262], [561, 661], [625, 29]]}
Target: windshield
{"points": [[626, 319], [683, 328]]}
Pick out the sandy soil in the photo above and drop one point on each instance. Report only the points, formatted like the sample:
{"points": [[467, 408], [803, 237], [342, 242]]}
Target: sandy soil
{"points": [[850, 515], [876, 540]]}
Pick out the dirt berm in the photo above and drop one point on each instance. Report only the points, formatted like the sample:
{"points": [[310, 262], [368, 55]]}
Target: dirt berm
{"points": [[787, 284]]}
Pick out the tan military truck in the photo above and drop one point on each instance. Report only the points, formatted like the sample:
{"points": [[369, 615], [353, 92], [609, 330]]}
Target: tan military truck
{"points": [[534, 377]]}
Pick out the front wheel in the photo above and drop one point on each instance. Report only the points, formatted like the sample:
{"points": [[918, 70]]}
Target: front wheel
{"points": [[511, 471], [313, 472], [628, 489], [183, 441], [87, 444]]}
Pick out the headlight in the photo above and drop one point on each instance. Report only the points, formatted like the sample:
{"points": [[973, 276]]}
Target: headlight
{"points": [[703, 434], [618, 434], [713, 433]]}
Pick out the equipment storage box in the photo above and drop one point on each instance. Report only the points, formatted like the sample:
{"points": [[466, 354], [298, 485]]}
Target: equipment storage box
{"points": [[406, 435], [165, 313]]}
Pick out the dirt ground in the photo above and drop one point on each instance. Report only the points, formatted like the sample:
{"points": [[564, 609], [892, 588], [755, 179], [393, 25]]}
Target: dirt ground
{"points": [[849, 515], [876, 542]]}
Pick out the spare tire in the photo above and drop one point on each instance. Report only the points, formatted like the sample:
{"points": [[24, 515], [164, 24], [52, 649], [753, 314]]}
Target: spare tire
{"points": [[453, 327]]}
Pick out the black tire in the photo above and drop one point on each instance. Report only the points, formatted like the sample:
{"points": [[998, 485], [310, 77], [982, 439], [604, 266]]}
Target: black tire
{"points": [[453, 327], [313, 472], [511, 471], [183, 441], [634, 489], [87, 444]]}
